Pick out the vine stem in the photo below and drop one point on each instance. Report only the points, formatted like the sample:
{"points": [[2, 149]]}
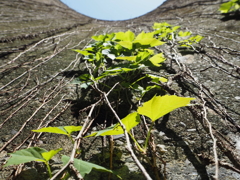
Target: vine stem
{"points": [[148, 136], [127, 139], [77, 139], [212, 136], [122, 125], [49, 169]]}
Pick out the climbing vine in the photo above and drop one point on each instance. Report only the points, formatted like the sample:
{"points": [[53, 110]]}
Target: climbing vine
{"points": [[115, 63]]}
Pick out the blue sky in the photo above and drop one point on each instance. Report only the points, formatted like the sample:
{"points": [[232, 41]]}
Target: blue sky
{"points": [[113, 9]]}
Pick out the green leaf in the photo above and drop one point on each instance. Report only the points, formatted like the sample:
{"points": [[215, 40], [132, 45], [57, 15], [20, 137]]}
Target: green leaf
{"points": [[196, 38], [161, 25], [148, 39], [109, 37], [26, 155], [226, 7], [130, 121], [175, 28], [157, 59], [85, 53], [85, 167], [66, 130], [127, 36], [89, 48], [128, 58], [143, 55], [48, 155], [98, 38], [126, 44], [55, 130], [184, 34], [144, 35], [71, 129], [98, 56], [85, 77], [156, 78], [159, 106]]}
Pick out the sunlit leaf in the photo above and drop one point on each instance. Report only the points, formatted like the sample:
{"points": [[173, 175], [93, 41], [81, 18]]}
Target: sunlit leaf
{"points": [[162, 79], [159, 106], [126, 44], [111, 130], [161, 25], [98, 38], [157, 59], [85, 167], [143, 55], [66, 130], [175, 28], [144, 35], [151, 42], [229, 6], [156, 78], [71, 129], [124, 36], [129, 121], [109, 37], [48, 155], [119, 69], [196, 38], [55, 130], [184, 34], [148, 39], [85, 53], [90, 48], [128, 58]]}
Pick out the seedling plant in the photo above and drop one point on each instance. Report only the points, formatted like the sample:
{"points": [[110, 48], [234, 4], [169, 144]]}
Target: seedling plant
{"points": [[115, 63]]}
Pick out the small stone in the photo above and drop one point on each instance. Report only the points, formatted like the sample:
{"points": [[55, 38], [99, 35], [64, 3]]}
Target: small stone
{"points": [[140, 141], [13, 132], [119, 143], [237, 97], [161, 133], [182, 124], [161, 147]]}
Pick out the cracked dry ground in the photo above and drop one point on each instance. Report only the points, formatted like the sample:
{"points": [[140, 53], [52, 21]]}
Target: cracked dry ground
{"points": [[37, 66]]}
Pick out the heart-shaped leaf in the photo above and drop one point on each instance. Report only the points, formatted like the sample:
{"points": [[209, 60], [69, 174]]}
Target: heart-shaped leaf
{"points": [[85, 167], [129, 121], [159, 106], [67, 130], [31, 154], [157, 59], [48, 155]]}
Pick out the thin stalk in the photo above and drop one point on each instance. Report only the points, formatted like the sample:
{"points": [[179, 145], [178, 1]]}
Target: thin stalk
{"points": [[138, 145], [49, 169], [70, 137], [148, 137]]}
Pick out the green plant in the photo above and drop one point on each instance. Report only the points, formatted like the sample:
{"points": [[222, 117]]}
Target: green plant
{"points": [[230, 6], [42, 155], [155, 108], [131, 62], [32, 154], [131, 57]]}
